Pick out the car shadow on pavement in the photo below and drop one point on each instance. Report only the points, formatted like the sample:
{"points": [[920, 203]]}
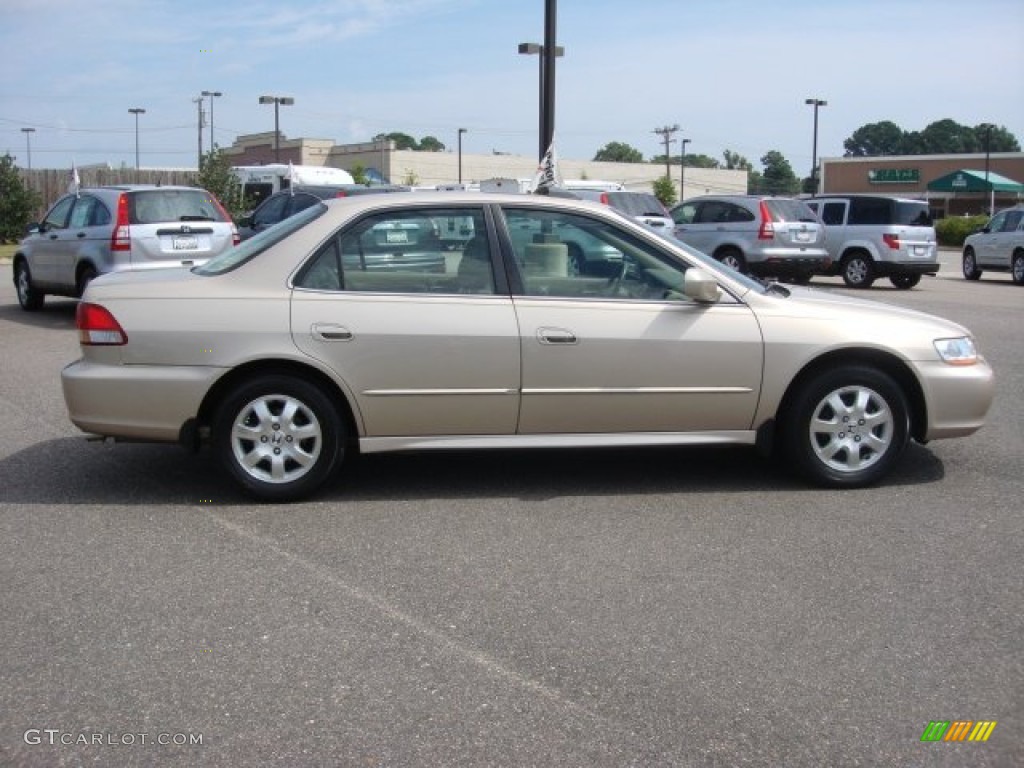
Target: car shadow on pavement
{"points": [[56, 313], [75, 471]]}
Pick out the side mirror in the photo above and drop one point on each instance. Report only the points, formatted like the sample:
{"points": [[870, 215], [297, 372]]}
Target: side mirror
{"points": [[34, 228], [245, 221], [701, 286]]}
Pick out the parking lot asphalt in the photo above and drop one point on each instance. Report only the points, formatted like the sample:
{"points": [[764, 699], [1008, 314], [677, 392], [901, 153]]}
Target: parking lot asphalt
{"points": [[680, 607]]}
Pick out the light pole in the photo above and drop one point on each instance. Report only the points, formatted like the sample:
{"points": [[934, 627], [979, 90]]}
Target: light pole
{"points": [[277, 101], [211, 94], [814, 151], [28, 144], [536, 48], [461, 131], [682, 168], [137, 111]]}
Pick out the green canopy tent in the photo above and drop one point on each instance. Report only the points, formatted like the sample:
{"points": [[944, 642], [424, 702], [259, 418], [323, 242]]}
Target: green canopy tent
{"points": [[974, 181]]}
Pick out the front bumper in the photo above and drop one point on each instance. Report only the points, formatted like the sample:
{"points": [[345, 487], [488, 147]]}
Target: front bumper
{"points": [[958, 397]]}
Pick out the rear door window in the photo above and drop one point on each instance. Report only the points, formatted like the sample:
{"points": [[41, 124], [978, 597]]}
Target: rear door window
{"points": [[833, 214], [913, 214], [789, 210]]}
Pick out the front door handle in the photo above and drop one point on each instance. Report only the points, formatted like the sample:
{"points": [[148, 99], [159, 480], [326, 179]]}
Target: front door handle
{"points": [[331, 332], [556, 336]]}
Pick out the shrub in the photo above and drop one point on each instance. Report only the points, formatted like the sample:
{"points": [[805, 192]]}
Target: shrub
{"points": [[665, 190], [952, 231], [17, 202]]}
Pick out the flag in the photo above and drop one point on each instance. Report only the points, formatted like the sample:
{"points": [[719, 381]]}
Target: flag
{"points": [[291, 178], [73, 181], [547, 175]]}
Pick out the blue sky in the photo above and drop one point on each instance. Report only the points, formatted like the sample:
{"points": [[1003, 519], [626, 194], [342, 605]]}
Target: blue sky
{"points": [[732, 73]]}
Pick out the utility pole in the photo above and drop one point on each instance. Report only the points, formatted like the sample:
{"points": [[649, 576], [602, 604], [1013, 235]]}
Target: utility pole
{"points": [[666, 136], [198, 101]]}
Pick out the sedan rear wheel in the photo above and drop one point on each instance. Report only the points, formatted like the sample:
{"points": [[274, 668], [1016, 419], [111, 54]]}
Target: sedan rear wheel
{"points": [[29, 297], [279, 437], [970, 265], [846, 427], [1017, 268]]}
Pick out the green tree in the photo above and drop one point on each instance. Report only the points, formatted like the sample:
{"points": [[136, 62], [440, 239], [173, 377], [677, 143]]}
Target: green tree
{"points": [[999, 139], [665, 190], [359, 174], [875, 140], [17, 202], [701, 161], [660, 160], [778, 177], [619, 152], [734, 161], [430, 144], [402, 140], [215, 176]]}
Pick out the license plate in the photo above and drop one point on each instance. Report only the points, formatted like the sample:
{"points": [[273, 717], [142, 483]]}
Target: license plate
{"points": [[920, 250], [185, 243], [398, 237], [803, 237]]}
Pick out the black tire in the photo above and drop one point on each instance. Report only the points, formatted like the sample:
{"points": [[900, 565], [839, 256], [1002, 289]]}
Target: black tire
{"points": [[905, 282], [970, 264], [86, 276], [1017, 268], [297, 437], [29, 297], [858, 270], [846, 427], [732, 257]]}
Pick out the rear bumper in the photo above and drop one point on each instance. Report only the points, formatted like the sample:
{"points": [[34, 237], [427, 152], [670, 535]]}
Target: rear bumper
{"points": [[886, 268], [137, 402], [790, 266]]}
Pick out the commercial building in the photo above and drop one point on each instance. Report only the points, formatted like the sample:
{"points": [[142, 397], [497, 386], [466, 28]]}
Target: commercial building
{"points": [[954, 185]]}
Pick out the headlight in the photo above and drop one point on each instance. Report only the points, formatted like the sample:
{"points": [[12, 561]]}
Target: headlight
{"points": [[959, 351]]}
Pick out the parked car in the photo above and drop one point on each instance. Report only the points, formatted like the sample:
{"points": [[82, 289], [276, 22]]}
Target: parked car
{"points": [[765, 236], [998, 246], [322, 356], [111, 229], [288, 202], [642, 206], [870, 236]]}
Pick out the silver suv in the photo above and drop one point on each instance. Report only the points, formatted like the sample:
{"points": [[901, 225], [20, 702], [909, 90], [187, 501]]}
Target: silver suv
{"points": [[998, 246], [766, 236], [111, 229], [870, 236], [641, 206]]}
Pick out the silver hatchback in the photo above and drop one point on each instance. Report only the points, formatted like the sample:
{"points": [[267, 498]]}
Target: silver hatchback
{"points": [[765, 236], [113, 229]]}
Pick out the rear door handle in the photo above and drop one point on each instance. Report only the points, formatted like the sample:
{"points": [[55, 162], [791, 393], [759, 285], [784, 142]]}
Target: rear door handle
{"points": [[331, 332], [556, 336]]}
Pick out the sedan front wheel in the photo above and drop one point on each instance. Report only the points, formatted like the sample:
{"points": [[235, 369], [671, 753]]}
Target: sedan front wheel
{"points": [[847, 427], [279, 437]]}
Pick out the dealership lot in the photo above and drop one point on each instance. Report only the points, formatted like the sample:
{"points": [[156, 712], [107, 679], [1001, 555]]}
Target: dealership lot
{"points": [[669, 607]]}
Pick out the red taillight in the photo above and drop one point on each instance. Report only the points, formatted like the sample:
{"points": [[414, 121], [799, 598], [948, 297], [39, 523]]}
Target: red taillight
{"points": [[893, 241], [121, 240], [235, 237], [97, 327], [341, 193], [604, 198], [767, 229]]}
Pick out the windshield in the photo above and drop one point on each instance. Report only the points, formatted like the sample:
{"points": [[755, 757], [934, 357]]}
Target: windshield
{"points": [[256, 245]]}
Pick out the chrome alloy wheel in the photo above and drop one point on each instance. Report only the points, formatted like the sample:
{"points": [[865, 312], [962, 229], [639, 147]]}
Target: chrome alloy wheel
{"points": [[851, 429], [276, 439]]}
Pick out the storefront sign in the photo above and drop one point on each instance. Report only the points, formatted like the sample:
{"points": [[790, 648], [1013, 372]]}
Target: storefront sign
{"points": [[894, 176]]}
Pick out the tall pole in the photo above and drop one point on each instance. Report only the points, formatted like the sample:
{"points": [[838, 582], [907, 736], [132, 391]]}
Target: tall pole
{"points": [[991, 191], [277, 101], [212, 95], [536, 48], [28, 144], [137, 111], [814, 148], [198, 101], [461, 131], [548, 78], [666, 136], [682, 168]]}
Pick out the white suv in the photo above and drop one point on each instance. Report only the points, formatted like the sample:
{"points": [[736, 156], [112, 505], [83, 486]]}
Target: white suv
{"points": [[871, 236]]}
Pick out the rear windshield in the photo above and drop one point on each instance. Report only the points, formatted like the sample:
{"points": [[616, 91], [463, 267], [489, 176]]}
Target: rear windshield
{"points": [[156, 206], [257, 244], [789, 210], [636, 204], [913, 214]]}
